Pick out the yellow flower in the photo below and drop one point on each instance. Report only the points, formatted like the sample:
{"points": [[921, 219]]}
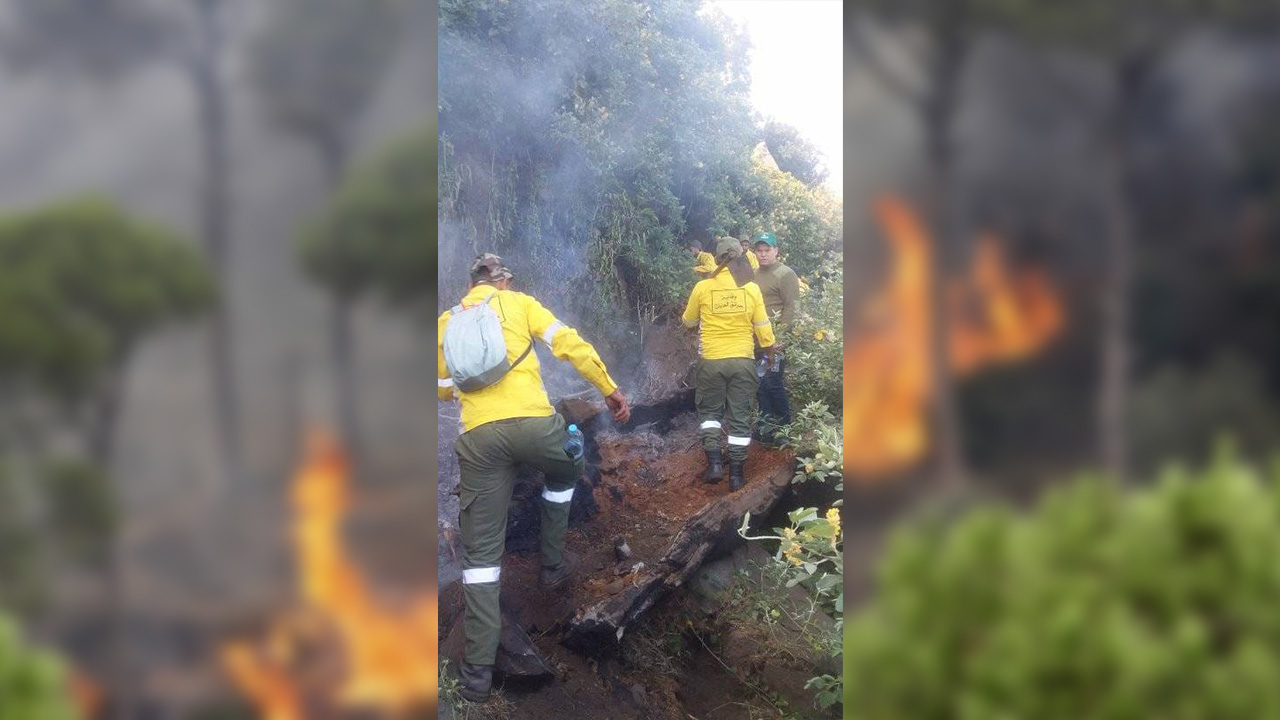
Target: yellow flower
{"points": [[833, 516], [788, 533], [808, 467], [819, 335]]}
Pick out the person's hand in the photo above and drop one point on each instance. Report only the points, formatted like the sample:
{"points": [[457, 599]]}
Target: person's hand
{"points": [[619, 406]]}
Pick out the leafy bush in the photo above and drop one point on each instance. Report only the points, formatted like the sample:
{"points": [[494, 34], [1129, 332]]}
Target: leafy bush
{"points": [[814, 342], [32, 684], [811, 549], [807, 221], [816, 437], [1098, 605], [370, 238]]}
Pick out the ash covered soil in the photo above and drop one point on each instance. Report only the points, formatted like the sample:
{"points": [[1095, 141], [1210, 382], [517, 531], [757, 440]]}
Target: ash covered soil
{"points": [[648, 485]]}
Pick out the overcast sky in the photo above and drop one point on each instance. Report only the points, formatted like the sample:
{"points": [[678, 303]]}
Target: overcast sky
{"points": [[797, 68]]}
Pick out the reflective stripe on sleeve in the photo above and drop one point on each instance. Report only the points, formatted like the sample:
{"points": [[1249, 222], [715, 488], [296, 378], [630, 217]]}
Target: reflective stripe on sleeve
{"points": [[550, 333]]}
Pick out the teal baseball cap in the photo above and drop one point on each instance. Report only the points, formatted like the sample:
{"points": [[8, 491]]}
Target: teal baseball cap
{"points": [[767, 238]]}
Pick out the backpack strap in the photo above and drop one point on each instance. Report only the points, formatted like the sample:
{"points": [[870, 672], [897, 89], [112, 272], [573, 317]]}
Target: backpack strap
{"points": [[524, 354]]}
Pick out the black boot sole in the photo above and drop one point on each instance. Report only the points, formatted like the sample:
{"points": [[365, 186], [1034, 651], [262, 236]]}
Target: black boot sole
{"points": [[473, 697]]}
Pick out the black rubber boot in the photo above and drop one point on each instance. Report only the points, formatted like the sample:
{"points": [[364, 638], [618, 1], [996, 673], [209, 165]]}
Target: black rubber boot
{"points": [[715, 468], [558, 576], [736, 480], [476, 682]]}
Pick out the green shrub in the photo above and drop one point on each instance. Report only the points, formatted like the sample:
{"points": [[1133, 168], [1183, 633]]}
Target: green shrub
{"points": [[1098, 605], [811, 550], [32, 684], [814, 342]]}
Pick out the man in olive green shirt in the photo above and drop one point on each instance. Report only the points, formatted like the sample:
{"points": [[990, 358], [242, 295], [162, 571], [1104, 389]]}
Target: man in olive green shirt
{"points": [[780, 287]]}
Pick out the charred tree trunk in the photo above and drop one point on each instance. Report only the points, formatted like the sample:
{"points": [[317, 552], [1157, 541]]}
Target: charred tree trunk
{"points": [[939, 110], [215, 211], [1114, 301], [100, 447], [342, 355], [333, 153]]}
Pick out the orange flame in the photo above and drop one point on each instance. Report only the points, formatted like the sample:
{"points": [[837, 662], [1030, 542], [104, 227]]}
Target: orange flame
{"points": [[389, 656], [995, 316]]}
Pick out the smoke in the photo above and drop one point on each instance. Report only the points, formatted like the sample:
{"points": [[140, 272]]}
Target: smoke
{"points": [[547, 117]]}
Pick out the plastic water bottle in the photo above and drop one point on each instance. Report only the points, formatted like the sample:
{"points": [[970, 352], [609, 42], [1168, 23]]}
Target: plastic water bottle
{"points": [[761, 366], [574, 444]]}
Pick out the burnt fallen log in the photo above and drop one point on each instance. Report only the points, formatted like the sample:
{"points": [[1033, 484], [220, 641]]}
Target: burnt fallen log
{"points": [[642, 490], [710, 532]]}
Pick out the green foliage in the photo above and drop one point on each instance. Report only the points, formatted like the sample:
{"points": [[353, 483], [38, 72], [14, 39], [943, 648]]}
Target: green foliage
{"points": [[1099, 604], [80, 283], [814, 341], [811, 550], [818, 441], [23, 588], [808, 221], [372, 238], [33, 684], [587, 141], [794, 154]]}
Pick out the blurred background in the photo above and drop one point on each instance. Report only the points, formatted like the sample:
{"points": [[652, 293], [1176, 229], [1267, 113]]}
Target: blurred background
{"points": [[194, 373], [1061, 259], [1094, 189]]}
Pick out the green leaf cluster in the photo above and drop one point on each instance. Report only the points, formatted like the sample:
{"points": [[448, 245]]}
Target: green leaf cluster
{"points": [[374, 237], [33, 684], [80, 283], [1099, 605]]}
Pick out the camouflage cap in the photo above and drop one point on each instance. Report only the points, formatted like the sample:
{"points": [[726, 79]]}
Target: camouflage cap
{"points": [[727, 248], [489, 267]]}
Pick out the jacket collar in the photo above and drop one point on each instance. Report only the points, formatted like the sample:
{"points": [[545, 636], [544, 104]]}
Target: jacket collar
{"points": [[478, 294]]}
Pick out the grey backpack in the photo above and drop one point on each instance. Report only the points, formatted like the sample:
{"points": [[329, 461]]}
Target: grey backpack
{"points": [[474, 349]]}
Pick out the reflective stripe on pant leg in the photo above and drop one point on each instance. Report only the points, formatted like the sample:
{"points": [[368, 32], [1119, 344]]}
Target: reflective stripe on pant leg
{"points": [[540, 443], [487, 477], [709, 399], [740, 396]]}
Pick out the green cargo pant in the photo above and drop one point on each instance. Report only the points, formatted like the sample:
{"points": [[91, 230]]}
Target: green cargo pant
{"points": [[488, 456], [726, 389]]}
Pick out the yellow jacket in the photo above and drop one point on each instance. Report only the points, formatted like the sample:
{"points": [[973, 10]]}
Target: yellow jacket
{"points": [[727, 317], [519, 393]]}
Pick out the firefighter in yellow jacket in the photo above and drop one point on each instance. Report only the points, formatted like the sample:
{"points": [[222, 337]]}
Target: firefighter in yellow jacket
{"points": [[507, 423], [729, 312]]}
